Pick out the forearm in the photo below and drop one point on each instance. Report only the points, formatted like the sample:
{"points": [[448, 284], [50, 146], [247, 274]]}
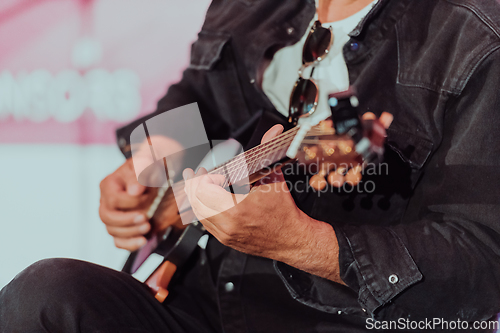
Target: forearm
{"points": [[316, 250]]}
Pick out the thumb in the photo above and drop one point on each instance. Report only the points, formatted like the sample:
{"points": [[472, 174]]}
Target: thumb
{"points": [[272, 133], [276, 175], [132, 186], [135, 188]]}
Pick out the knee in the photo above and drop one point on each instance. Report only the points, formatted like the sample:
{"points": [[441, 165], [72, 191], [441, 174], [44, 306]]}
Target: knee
{"points": [[42, 293], [45, 281], [40, 287]]}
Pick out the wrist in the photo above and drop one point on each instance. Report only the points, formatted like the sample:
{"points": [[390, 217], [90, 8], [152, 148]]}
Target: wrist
{"points": [[316, 250]]}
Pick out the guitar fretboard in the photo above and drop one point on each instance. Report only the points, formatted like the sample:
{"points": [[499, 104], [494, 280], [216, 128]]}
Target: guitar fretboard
{"points": [[255, 159]]}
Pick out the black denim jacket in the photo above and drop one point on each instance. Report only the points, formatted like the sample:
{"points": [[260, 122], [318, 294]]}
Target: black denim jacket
{"points": [[426, 242]]}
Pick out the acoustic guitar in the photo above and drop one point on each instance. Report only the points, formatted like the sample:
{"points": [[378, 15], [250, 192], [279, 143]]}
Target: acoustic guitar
{"points": [[343, 140]]}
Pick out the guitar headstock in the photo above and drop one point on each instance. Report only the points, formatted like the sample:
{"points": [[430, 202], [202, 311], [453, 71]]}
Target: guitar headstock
{"points": [[323, 145], [340, 147]]}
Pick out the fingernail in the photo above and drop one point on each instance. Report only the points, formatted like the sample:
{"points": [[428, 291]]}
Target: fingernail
{"points": [[141, 242], [139, 219], [185, 174], [144, 228], [133, 189]]}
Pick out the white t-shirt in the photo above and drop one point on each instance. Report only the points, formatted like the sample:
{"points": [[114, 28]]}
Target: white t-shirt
{"points": [[330, 75]]}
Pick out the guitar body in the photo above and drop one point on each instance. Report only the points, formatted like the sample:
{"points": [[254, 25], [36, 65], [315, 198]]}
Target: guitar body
{"points": [[176, 256], [160, 279]]}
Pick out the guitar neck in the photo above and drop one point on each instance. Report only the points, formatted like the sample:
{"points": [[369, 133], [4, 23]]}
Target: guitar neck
{"points": [[256, 159]]}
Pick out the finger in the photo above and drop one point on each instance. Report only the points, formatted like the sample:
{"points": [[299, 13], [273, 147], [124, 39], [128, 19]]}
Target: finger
{"points": [[130, 244], [129, 232], [201, 171], [326, 125], [336, 179], [120, 218], [216, 228], [132, 186], [353, 176], [191, 186], [135, 188], [125, 201], [206, 195], [188, 176], [386, 119], [213, 197], [192, 179], [272, 132], [114, 193], [369, 116], [201, 211], [111, 184]]}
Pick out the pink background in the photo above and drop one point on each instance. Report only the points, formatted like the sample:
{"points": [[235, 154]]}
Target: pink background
{"points": [[150, 38]]}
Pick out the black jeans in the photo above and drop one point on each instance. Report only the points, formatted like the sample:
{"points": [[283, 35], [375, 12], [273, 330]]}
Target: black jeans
{"points": [[64, 295]]}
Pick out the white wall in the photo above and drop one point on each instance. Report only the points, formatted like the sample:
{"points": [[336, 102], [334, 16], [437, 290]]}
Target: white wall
{"points": [[49, 199]]}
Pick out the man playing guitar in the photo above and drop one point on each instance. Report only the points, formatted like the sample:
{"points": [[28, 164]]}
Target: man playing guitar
{"points": [[423, 245]]}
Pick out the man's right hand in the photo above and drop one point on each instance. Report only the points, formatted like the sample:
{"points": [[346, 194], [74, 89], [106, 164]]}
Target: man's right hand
{"points": [[123, 206]]}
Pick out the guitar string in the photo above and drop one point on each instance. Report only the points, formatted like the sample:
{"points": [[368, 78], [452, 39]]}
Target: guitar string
{"points": [[260, 150], [271, 150], [240, 167], [254, 154], [280, 142]]}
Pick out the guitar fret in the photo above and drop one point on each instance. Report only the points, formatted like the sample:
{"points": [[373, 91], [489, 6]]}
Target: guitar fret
{"points": [[274, 156], [252, 167], [241, 173], [236, 174], [255, 159]]}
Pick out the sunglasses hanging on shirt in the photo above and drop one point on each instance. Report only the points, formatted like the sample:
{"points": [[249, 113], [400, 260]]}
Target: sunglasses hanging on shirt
{"points": [[304, 97]]}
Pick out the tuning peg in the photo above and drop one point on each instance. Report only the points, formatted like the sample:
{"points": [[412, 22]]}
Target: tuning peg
{"points": [[336, 178], [369, 116], [318, 182], [326, 126], [353, 176], [386, 119], [310, 152]]}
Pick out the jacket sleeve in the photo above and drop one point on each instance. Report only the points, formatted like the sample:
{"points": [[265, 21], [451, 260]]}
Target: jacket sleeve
{"points": [[445, 262], [193, 88], [196, 86]]}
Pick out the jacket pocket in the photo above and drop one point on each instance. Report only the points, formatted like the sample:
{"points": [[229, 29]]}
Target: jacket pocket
{"points": [[207, 50], [412, 149], [213, 53]]}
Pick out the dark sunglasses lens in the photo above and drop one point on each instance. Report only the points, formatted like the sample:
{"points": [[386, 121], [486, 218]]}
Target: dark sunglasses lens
{"points": [[303, 98], [317, 44]]}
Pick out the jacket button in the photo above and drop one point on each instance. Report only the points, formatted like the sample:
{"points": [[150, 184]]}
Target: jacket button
{"points": [[290, 30], [252, 81], [354, 46], [393, 279], [229, 287]]}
